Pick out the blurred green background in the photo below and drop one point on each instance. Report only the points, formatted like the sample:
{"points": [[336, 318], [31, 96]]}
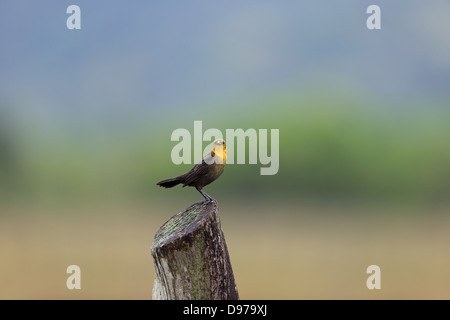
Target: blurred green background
{"points": [[86, 118]]}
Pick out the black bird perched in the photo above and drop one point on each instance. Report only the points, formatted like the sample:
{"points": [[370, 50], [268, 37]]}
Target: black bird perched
{"points": [[203, 173]]}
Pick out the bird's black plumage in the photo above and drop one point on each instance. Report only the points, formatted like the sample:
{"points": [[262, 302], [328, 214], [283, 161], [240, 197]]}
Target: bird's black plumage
{"points": [[206, 171]]}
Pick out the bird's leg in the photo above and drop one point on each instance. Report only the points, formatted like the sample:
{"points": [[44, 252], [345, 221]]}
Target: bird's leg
{"points": [[208, 198]]}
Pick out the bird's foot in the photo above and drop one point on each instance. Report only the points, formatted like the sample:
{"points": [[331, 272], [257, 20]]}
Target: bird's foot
{"points": [[208, 200]]}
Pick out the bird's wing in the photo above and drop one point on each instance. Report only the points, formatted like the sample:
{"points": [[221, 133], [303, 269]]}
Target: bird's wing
{"points": [[198, 171]]}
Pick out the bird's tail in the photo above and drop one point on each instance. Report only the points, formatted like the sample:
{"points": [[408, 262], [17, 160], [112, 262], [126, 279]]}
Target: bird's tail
{"points": [[169, 183]]}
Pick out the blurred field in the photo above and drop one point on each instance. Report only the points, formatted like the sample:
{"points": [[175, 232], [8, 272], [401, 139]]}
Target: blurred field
{"points": [[278, 251]]}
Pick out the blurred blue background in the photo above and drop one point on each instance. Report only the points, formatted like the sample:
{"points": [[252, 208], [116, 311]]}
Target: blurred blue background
{"points": [[86, 117]]}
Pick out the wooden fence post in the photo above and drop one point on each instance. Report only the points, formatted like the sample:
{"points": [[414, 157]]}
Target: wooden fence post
{"points": [[191, 257]]}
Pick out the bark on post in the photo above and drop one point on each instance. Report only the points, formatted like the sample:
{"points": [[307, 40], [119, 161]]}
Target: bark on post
{"points": [[191, 257]]}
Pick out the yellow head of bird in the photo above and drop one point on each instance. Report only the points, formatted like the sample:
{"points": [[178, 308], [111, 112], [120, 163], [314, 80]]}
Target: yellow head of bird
{"points": [[220, 149]]}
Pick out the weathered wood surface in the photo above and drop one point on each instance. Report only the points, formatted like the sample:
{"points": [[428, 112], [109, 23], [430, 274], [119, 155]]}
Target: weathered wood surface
{"points": [[191, 257]]}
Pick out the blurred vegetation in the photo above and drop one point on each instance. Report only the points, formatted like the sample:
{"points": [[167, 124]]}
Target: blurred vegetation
{"points": [[331, 148]]}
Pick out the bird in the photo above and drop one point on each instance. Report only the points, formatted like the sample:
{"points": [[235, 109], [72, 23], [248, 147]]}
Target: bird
{"points": [[203, 173]]}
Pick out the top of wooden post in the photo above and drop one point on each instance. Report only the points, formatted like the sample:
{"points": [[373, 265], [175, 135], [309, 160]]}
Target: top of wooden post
{"points": [[183, 223]]}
